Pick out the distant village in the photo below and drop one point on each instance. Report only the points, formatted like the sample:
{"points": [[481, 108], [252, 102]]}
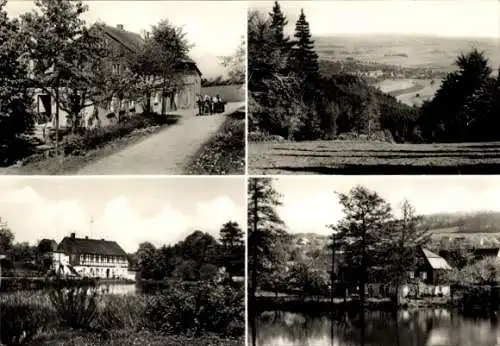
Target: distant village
{"points": [[431, 278]]}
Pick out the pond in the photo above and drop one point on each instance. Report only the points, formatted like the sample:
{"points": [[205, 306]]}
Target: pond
{"points": [[117, 288], [420, 327]]}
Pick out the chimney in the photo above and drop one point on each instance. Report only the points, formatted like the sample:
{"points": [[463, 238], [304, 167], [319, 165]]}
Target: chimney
{"points": [[119, 26], [86, 237], [72, 235]]}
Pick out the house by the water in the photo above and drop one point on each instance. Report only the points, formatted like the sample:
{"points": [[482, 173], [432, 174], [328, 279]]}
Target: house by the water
{"points": [[94, 258], [123, 44]]}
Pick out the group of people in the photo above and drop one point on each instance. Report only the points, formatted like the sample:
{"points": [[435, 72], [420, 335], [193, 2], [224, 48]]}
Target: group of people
{"points": [[209, 105]]}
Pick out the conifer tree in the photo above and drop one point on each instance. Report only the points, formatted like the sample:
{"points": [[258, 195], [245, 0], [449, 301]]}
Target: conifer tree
{"points": [[277, 26], [305, 59]]}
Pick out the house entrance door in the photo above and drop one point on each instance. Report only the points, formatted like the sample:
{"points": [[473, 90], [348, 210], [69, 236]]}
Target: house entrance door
{"points": [[107, 273]]}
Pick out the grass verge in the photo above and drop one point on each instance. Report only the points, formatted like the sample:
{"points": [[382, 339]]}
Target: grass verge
{"points": [[224, 153], [80, 150]]}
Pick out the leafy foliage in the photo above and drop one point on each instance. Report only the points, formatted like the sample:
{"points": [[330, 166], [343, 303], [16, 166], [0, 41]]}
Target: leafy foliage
{"points": [[160, 60], [203, 308], [15, 116], [77, 305]]}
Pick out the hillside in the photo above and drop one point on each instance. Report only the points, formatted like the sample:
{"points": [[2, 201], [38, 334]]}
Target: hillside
{"points": [[476, 229]]}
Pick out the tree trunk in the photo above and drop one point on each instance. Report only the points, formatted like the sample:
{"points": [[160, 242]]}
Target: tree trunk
{"points": [[332, 275], [253, 269], [57, 122], [148, 102]]}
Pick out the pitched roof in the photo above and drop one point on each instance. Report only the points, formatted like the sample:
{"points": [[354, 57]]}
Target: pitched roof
{"points": [[435, 261], [130, 40], [79, 246], [133, 42]]}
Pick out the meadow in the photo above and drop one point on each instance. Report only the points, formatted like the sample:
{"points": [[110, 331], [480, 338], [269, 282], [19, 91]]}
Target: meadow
{"points": [[201, 314], [405, 51], [357, 157], [410, 91]]}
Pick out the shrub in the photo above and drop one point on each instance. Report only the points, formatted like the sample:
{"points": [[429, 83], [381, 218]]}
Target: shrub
{"points": [[76, 306], [76, 144], [23, 317], [204, 308]]}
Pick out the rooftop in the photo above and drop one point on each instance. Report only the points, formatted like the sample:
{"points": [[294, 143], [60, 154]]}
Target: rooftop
{"points": [[73, 245]]}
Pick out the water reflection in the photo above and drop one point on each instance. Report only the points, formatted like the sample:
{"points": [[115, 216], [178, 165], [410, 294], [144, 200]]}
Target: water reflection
{"points": [[120, 289], [424, 327]]}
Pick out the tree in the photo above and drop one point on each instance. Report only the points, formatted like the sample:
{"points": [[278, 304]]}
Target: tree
{"points": [[449, 115], [6, 238], [147, 262], [277, 27], [45, 246], [305, 59], [160, 61], [403, 243], [236, 63], [15, 116], [265, 228], [231, 235], [366, 216]]}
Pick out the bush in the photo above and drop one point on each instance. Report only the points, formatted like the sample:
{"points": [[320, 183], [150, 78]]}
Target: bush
{"points": [[77, 144], [76, 306], [23, 317], [204, 308]]}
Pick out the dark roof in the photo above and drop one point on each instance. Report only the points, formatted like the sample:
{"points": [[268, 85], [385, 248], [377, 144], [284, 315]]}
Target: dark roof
{"points": [[133, 41], [79, 246], [130, 40]]}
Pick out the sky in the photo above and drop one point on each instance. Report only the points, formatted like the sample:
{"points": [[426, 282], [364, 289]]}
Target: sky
{"points": [[310, 203], [128, 210], [452, 18], [214, 27]]}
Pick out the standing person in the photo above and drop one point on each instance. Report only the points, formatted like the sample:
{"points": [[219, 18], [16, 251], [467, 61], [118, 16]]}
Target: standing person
{"points": [[199, 104], [215, 104], [207, 104], [221, 105]]}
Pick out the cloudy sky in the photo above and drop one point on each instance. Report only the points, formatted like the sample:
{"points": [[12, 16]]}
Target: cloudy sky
{"points": [[214, 27], [459, 18], [128, 210], [309, 203]]}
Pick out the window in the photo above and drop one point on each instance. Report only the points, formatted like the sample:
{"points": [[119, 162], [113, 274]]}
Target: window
{"points": [[411, 274], [423, 275], [116, 68]]}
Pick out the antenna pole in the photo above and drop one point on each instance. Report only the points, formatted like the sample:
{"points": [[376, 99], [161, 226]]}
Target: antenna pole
{"points": [[91, 226]]}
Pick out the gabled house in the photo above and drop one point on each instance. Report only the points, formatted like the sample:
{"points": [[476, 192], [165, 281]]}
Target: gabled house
{"points": [[96, 258], [430, 267], [123, 43]]}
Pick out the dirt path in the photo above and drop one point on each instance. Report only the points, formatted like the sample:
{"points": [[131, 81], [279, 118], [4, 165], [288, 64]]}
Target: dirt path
{"points": [[167, 152]]}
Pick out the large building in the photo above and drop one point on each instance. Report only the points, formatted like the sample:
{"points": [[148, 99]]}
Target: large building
{"points": [[122, 44], [96, 258]]}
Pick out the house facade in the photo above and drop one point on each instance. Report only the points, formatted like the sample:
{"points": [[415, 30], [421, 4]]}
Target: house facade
{"points": [[123, 43], [94, 258]]}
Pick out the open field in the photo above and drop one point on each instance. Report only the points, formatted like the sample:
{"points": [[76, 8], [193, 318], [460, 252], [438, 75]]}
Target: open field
{"points": [[351, 157], [406, 90], [406, 51]]}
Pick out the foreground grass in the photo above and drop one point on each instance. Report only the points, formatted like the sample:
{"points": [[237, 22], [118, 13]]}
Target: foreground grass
{"points": [[224, 153], [128, 338], [185, 314], [353, 157]]}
